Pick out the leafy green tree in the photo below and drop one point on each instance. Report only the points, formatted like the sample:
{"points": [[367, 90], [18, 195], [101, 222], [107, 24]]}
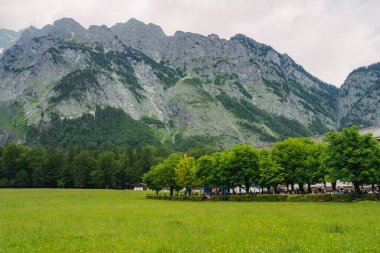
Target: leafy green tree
{"points": [[21, 179], [52, 166], [314, 167], [204, 172], [353, 157], [83, 165], [291, 154], [271, 173], [185, 172], [154, 178], [38, 177], [13, 160], [168, 171], [106, 169], [245, 160]]}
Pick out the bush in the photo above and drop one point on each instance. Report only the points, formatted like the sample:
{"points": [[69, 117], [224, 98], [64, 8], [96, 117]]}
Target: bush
{"points": [[179, 197], [219, 197], [271, 197], [368, 197], [320, 198], [274, 197]]}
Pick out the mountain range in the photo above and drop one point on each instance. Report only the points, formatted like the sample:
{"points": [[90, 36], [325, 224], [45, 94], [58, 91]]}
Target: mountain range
{"points": [[133, 85]]}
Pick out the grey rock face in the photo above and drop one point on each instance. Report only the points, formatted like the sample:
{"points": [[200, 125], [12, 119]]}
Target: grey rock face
{"points": [[359, 97], [231, 90]]}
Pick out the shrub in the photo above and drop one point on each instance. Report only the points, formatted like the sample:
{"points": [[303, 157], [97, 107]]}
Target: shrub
{"points": [[370, 197], [320, 198], [271, 197], [274, 197]]}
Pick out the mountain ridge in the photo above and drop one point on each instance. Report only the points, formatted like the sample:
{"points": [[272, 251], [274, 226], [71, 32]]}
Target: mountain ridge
{"points": [[196, 86]]}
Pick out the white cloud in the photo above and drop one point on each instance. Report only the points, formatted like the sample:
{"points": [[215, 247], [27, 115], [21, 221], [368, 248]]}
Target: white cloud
{"points": [[328, 38]]}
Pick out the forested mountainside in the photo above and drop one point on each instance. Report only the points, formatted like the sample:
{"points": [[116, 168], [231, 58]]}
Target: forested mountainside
{"points": [[183, 90]]}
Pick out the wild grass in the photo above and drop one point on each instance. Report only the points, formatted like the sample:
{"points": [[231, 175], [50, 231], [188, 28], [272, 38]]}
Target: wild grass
{"points": [[53, 220]]}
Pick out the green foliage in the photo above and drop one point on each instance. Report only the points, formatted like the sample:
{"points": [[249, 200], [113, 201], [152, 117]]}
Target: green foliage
{"points": [[263, 135], [283, 126], [321, 198], [21, 179], [222, 78], [105, 174], [196, 82], [75, 85], [273, 197], [245, 160], [353, 157], [243, 90], [185, 172], [82, 166], [271, 173], [278, 88], [12, 117], [150, 121], [38, 167], [317, 126], [292, 154], [110, 127], [182, 143]]}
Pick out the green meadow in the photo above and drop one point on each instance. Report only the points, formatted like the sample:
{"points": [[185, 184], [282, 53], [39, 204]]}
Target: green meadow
{"points": [[55, 220]]}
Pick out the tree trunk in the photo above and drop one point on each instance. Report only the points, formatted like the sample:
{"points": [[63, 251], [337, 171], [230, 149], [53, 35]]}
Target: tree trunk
{"points": [[300, 186], [357, 187], [247, 186], [156, 192], [171, 191], [373, 187], [309, 187], [268, 187], [292, 187], [275, 189], [333, 185]]}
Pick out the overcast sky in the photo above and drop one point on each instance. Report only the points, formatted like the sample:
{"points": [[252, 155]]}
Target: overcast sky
{"points": [[329, 38]]}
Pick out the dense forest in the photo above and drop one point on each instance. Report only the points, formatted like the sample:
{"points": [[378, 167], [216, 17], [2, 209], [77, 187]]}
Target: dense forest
{"points": [[346, 156]]}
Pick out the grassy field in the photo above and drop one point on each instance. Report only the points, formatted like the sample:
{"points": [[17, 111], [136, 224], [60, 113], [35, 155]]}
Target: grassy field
{"points": [[50, 220]]}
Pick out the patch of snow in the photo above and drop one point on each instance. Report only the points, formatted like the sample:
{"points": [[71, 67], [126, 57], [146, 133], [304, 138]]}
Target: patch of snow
{"points": [[1, 50]]}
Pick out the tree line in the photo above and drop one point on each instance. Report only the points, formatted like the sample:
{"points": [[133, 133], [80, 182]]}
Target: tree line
{"points": [[21, 166], [346, 156]]}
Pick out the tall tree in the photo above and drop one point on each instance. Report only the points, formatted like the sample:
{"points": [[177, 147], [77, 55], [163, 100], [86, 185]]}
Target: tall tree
{"points": [[245, 159], [52, 167], [185, 172], [154, 178], [271, 173], [353, 157], [292, 154], [13, 160], [83, 164], [106, 169]]}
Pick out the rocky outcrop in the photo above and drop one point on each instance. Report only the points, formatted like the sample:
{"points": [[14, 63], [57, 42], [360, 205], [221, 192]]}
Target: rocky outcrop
{"points": [[359, 97]]}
